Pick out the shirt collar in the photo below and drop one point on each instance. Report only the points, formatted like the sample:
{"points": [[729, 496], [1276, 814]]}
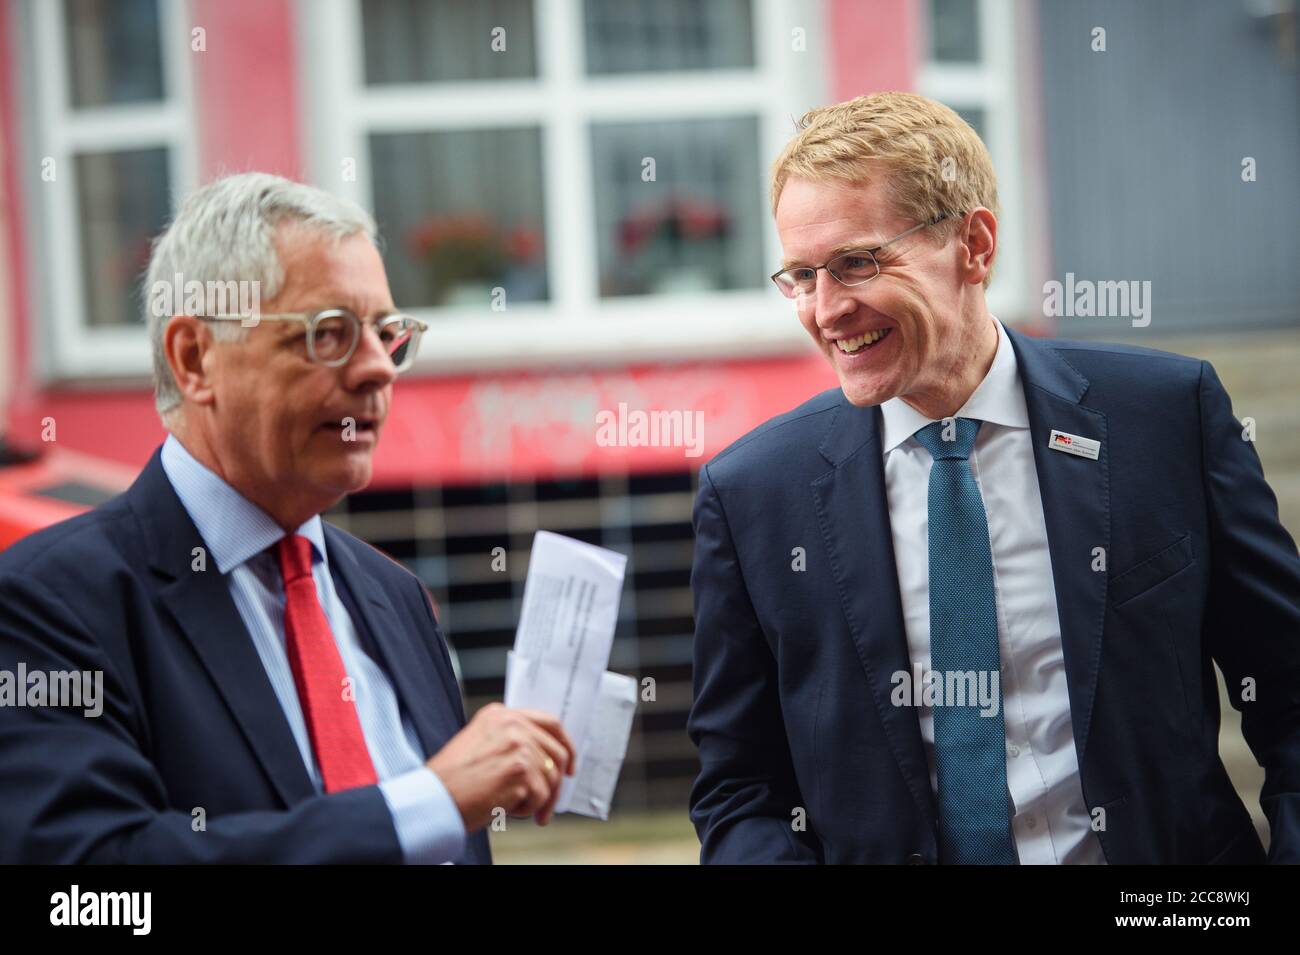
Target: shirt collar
{"points": [[232, 527], [998, 399]]}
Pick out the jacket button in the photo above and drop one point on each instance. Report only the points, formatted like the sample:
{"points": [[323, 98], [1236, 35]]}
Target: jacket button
{"points": [[916, 859]]}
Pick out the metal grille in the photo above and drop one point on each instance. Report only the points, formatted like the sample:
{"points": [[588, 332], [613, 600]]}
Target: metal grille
{"points": [[448, 536]]}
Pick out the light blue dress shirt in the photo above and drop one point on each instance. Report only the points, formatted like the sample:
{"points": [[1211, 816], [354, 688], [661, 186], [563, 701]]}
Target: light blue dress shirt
{"points": [[237, 534]]}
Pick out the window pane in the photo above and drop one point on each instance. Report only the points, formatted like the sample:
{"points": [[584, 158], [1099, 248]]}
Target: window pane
{"points": [[697, 225], [114, 51], [461, 212], [122, 204], [436, 41], [954, 31], [629, 36], [975, 117]]}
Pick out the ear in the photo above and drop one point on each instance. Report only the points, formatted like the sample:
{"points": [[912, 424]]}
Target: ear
{"points": [[979, 246], [187, 343]]}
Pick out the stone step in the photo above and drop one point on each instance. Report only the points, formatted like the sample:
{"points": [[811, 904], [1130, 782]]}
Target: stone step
{"points": [[1254, 364]]}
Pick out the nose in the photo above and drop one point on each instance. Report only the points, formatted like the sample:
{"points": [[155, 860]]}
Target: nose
{"points": [[370, 367], [832, 301]]}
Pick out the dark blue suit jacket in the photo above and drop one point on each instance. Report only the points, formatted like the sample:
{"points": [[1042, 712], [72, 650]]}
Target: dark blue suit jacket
{"points": [[792, 669], [190, 718]]}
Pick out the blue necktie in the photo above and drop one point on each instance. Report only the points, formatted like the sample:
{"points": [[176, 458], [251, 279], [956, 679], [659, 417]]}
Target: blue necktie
{"points": [[969, 748]]}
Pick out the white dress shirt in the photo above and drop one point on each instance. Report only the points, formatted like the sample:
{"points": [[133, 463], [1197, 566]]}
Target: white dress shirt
{"points": [[1051, 823], [237, 533]]}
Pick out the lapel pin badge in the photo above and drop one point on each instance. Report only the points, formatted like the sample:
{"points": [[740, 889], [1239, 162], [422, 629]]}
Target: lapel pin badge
{"points": [[1073, 444]]}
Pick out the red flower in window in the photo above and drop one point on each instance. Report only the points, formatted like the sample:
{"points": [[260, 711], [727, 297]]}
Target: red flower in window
{"points": [[675, 220]]}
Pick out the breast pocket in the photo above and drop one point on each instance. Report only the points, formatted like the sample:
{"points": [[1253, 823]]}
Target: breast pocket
{"points": [[1149, 573]]}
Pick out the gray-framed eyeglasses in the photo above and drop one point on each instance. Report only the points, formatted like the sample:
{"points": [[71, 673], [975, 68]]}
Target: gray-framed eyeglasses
{"points": [[856, 267], [333, 333]]}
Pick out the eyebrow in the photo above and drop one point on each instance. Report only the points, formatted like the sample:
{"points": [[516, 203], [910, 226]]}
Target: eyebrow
{"points": [[858, 245], [296, 330], [380, 315]]}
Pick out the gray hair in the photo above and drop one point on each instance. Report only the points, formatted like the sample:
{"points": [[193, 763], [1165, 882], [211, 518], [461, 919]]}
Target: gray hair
{"points": [[224, 233]]}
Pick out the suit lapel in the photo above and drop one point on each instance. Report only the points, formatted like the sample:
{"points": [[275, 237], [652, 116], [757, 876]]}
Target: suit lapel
{"points": [[1076, 508], [207, 618], [416, 684], [853, 513]]}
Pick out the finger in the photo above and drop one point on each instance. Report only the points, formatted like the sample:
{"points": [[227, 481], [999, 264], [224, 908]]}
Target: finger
{"points": [[552, 749], [539, 792], [547, 811], [553, 726], [545, 753], [536, 780]]}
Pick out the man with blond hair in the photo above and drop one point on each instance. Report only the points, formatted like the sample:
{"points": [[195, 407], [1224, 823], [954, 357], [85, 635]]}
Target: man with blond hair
{"points": [[965, 607]]}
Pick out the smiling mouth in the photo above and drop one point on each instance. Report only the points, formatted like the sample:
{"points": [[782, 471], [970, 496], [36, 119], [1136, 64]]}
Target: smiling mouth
{"points": [[852, 346]]}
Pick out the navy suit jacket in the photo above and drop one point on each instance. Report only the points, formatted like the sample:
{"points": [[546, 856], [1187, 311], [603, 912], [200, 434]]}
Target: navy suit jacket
{"points": [[792, 669], [190, 719]]}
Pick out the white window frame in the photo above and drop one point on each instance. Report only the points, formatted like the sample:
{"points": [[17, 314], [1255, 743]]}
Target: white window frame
{"points": [[990, 85], [71, 348], [576, 324]]}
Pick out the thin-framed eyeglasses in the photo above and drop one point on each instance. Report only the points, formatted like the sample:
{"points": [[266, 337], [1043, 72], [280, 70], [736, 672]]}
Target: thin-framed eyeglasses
{"points": [[855, 267], [333, 333]]}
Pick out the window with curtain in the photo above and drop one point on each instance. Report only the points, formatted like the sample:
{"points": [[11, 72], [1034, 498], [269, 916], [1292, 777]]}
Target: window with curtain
{"points": [[461, 212], [114, 59], [636, 36], [954, 31], [419, 41], [697, 225]]}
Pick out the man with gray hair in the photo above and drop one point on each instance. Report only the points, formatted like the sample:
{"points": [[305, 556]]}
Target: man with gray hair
{"points": [[275, 689]]}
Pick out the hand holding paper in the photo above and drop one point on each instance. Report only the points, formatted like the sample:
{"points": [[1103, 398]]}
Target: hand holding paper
{"points": [[562, 646]]}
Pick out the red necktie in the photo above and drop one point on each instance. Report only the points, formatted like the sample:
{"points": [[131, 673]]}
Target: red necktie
{"points": [[332, 721]]}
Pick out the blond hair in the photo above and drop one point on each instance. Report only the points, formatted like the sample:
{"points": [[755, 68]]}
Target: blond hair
{"points": [[935, 163]]}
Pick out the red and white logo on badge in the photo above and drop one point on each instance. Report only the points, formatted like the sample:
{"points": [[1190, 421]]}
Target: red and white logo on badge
{"points": [[1073, 444]]}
